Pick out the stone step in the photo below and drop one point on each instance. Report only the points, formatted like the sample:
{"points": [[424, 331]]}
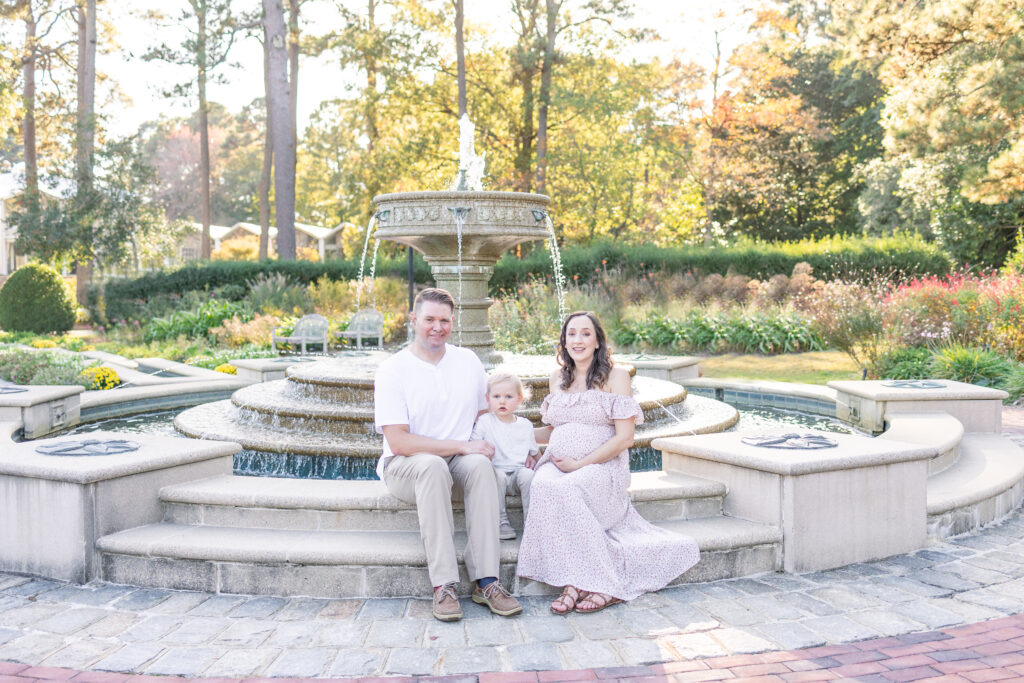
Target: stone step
{"points": [[984, 485], [941, 430], [367, 563], [219, 420], [316, 504]]}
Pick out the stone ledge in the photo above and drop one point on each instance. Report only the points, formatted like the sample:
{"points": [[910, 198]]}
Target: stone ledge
{"points": [[157, 452], [853, 451], [988, 466], [875, 390], [319, 494], [38, 393], [941, 430], [360, 548]]}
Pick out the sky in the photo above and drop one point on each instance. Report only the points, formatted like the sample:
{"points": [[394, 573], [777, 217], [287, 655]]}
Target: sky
{"points": [[681, 23]]}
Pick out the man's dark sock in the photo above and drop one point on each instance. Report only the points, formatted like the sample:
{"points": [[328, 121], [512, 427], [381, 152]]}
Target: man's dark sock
{"points": [[486, 581]]}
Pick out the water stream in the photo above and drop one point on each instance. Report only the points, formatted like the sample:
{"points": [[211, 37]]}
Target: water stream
{"points": [[362, 261], [460, 221], [556, 261]]}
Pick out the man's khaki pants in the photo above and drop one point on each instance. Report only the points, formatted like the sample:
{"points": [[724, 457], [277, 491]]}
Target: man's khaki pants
{"points": [[426, 480]]}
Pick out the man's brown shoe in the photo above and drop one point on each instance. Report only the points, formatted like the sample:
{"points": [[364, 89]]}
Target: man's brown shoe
{"points": [[446, 603], [497, 599]]}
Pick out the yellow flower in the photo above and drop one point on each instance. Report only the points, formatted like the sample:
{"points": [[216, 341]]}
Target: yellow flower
{"points": [[227, 368], [99, 378], [44, 344]]}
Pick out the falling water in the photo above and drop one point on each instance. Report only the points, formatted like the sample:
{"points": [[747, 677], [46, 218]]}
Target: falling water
{"points": [[362, 261], [460, 219], [373, 272], [556, 260]]}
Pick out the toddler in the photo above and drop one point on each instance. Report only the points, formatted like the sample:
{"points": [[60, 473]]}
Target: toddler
{"points": [[515, 448]]}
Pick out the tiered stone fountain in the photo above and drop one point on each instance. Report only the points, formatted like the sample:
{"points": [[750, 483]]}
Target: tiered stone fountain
{"points": [[318, 422]]}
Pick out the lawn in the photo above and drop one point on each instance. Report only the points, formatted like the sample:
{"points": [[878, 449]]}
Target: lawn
{"points": [[813, 367]]}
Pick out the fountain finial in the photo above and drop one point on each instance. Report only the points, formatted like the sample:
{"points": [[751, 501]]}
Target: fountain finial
{"points": [[471, 166]]}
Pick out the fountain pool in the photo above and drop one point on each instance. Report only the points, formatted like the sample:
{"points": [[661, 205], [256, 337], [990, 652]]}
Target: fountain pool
{"points": [[642, 459]]}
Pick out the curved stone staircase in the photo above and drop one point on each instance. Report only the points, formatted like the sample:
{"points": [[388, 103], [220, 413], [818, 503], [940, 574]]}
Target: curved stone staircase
{"points": [[271, 536], [352, 539]]}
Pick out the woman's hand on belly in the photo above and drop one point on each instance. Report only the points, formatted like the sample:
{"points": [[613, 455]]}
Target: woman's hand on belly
{"points": [[566, 464]]}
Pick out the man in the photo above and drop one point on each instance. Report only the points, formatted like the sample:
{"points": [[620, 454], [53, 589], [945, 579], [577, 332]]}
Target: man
{"points": [[426, 399]]}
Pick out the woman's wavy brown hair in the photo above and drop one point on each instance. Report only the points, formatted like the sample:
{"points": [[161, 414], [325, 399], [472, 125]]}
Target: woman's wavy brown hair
{"points": [[600, 366]]}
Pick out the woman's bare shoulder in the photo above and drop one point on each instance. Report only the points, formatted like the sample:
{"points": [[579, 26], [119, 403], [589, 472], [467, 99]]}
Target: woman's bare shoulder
{"points": [[555, 380], [619, 382]]}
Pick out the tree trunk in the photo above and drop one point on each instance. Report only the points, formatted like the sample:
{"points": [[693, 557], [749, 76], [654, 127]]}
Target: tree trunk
{"points": [[85, 132], [545, 97], [460, 57], [293, 75], [282, 141], [268, 155], [204, 128], [372, 133], [28, 127]]}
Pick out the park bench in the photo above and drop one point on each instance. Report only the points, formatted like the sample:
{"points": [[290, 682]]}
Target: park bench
{"points": [[365, 324], [309, 330]]}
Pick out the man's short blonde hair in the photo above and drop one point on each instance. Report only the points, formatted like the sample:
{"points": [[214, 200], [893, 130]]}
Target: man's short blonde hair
{"points": [[435, 294], [512, 378]]}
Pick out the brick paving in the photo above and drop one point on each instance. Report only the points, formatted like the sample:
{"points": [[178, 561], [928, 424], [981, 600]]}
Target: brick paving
{"points": [[951, 612]]}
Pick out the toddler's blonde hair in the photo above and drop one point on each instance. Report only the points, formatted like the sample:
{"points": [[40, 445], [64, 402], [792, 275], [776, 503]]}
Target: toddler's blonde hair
{"points": [[499, 377]]}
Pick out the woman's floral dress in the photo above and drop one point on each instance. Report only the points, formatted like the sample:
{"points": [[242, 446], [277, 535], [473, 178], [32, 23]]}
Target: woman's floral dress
{"points": [[581, 529]]}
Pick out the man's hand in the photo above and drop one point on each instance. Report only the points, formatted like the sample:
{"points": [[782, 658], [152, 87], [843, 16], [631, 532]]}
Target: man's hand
{"points": [[531, 462], [479, 446]]}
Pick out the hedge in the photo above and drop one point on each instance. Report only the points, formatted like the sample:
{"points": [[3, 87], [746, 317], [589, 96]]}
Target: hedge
{"points": [[857, 258], [847, 258]]}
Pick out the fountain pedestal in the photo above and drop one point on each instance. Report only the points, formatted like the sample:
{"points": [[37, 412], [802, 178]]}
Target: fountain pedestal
{"points": [[461, 236]]}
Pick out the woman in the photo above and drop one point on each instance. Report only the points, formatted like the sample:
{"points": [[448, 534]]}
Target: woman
{"points": [[582, 531]]}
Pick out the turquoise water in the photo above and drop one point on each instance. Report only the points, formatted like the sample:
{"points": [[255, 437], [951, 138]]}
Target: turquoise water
{"points": [[300, 466]]}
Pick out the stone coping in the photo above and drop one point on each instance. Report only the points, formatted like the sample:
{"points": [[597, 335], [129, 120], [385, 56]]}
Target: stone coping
{"points": [[92, 399], [8, 430], [105, 357], [157, 452], [813, 391], [939, 429], [270, 364], [643, 361], [876, 390], [38, 393], [854, 451], [321, 494], [989, 464], [180, 368]]}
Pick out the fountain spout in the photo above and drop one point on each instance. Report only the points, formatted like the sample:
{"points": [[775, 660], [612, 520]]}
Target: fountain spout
{"points": [[470, 177]]}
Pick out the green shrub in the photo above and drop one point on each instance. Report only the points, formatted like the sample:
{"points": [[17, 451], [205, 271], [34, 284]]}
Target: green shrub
{"points": [[848, 258], [905, 363], [22, 366], [36, 299], [196, 323], [1014, 383], [128, 299], [970, 364], [273, 292], [704, 330]]}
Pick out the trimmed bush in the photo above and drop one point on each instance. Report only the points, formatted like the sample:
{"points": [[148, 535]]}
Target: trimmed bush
{"points": [[860, 259], [36, 299], [849, 258]]}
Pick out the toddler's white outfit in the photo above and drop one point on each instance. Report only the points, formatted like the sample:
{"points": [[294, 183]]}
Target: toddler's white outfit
{"points": [[513, 443]]}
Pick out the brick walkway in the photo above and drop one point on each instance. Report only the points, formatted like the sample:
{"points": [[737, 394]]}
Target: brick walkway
{"points": [[987, 651]]}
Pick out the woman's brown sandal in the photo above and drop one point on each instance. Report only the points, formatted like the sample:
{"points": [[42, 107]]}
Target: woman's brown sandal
{"points": [[566, 602], [598, 601]]}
